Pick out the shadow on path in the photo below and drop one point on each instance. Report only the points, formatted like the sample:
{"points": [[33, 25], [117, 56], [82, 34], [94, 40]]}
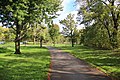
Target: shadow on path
{"points": [[66, 67]]}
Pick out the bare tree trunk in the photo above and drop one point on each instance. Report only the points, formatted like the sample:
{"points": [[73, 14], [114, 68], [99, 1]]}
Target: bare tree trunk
{"points": [[72, 42], [41, 39], [17, 40], [40, 43], [17, 44], [34, 40], [17, 47], [54, 43]]}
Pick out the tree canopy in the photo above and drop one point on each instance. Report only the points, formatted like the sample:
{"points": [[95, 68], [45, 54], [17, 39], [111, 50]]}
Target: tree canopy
{"points": [[21, 14], [54, 32], [105, 13], [69, 28]]}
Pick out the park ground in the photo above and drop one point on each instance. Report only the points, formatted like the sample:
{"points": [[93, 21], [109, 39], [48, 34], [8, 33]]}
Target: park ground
{"points": [[107, 61], [64, 66], [34, 62]]}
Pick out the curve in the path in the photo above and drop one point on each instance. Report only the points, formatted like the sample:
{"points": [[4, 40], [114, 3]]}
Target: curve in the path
{"points": [[66, 67]]}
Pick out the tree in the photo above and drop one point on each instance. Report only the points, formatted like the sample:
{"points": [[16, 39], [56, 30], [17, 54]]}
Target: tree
{"points": [[54, 32], [1, 33], [104, 12], [40, 33], [21, 14], [95, 36], [6, 34], [69, 28]]}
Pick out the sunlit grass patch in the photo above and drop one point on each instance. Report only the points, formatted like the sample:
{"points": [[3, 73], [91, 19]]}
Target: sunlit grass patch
{"points": [[32, 64]]}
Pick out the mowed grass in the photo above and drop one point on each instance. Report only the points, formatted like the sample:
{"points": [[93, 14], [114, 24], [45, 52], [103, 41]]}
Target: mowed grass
{"points": [[106, 60], [32, 64]]}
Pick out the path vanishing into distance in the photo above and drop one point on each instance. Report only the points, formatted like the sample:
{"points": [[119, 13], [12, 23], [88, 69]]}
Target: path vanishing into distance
{"points": [[66, 67]]}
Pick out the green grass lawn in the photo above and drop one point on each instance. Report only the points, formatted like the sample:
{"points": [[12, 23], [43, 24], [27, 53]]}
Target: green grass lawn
{"points": [[106, 60], [32, 64]]}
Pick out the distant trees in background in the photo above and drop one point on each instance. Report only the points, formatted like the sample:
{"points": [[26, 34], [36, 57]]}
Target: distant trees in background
{"points": [[6, 34], [45, 34], [54, 32], [28, 20], [37, 33], [70, 28]]}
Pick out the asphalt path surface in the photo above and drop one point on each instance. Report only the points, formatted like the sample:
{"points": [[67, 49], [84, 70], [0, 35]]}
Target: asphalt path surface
{"points": [[64, 66]]}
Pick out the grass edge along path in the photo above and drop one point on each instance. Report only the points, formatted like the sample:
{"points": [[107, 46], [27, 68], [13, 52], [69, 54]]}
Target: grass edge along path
{"points": [[107, 61], [32, 64]]}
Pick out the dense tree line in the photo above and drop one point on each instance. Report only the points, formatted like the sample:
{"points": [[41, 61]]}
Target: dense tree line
{"points": [[101, 19], [32, 21]]}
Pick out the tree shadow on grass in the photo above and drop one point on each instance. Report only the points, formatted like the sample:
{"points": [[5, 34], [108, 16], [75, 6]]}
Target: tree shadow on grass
{"points": [[31, 47], [76, 48], [5, 50], [104, 61], [23, 70], [111, 64], [26, 66]]}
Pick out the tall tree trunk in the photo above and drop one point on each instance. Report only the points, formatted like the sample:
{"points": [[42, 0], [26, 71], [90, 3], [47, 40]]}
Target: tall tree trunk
{"points": [[72, 42], [40, 43], [17, 40], [17, 44], [54, 43], [41, 39], [17, 47], [34, 40]]}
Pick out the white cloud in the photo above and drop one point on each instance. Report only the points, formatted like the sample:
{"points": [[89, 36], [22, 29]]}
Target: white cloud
{"points": [[65, 11], [68, 7], [78, 26], [0, 24]]}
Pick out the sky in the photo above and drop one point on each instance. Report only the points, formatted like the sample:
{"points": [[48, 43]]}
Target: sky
{"points": [[68, 7]]}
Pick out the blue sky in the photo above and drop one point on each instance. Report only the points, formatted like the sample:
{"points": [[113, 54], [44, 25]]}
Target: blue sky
{"points": [[68, 7]]}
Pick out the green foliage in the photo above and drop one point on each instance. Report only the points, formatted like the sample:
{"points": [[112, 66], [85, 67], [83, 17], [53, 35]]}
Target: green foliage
{"points": [[38, 32], [102, 12], [32, 64], [69, 28], [106, 60], [6, 34], [1, 33], [21, 14], [54, 32], [95, 36]]}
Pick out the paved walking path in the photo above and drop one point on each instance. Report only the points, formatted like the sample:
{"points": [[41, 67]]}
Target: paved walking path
{"points": [[66, 67]]}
